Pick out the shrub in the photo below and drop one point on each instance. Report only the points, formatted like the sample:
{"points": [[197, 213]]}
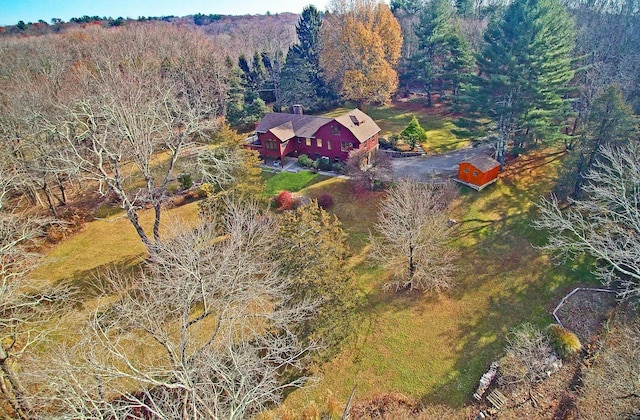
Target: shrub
{"points": [[337, 167], [529, 358], [325, 201], [305, 161], [563, 341], [185, 181], [284, 200], [324, 164], [413, 133]]}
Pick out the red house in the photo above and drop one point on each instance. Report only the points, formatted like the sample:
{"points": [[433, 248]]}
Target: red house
{"points": [[478, 172], [279, 135]]}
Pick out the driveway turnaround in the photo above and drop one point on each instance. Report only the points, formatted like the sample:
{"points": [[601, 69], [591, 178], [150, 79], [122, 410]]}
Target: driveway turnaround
{"points": [[436, 166]]}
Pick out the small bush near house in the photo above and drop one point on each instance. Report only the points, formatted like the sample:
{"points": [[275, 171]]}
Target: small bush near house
{"points": [[324, 164], [325, 201], [337, 167], [285, 201], [305, 161], [563, 341]]}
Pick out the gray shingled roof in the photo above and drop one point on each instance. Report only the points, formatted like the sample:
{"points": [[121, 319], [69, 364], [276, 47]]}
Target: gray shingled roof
{"points": [[285, 126], [360, 124], [482, 162]]}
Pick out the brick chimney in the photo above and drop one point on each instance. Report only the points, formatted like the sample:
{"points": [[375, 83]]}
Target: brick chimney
{"points": [[297, 109]]}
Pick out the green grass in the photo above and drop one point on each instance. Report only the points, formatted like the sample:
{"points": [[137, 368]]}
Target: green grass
{"points": [[432, 348], [288, 181], [435, 348]]}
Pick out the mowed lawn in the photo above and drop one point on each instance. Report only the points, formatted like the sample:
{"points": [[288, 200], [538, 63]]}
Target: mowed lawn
{"points": [[435, 348], [432, 348], [103, 244]]}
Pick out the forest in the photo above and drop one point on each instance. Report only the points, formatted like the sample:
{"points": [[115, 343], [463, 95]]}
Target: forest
{"points": [[153, 267]]}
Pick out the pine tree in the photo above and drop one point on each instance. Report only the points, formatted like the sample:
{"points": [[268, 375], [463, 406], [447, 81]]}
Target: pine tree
{"points": [[444, 58], [313, 252], [300, 79], [525, 68], [611, 121]]}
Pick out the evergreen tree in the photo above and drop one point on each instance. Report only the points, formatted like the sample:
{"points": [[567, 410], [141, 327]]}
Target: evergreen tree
{"points": [[313, 252], [444, 58], [611, 121], [525, 68], [413, 133], [300, 79], [244, 105]]}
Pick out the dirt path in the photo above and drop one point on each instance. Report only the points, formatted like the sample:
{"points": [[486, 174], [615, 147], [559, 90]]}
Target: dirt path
{"points": [[445, 164]]}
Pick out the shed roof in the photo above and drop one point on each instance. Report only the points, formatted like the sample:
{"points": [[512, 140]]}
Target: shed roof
{"points": [[285, 126], [482, 162], [360, 124]]}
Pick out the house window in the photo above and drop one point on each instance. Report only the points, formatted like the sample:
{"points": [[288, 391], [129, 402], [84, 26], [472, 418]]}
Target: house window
{"points": [[475, 173], [365, 144], [466, 170], [318, 142], [299, 140], [328, 145], [308, 141], [335, 130], [270, 145], [345, 146]]}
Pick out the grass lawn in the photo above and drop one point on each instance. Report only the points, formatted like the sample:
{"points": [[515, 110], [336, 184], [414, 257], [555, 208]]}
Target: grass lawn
{"points": [[102, 244], [289, 181], [435, 348], [432, 348]]}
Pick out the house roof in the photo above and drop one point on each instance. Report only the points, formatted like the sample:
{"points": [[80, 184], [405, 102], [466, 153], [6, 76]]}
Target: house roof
{"points": [[360, 124], [285, 126], [482, 162]]}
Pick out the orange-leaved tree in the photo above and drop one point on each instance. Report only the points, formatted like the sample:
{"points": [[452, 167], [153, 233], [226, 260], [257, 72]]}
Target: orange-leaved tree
{"points": [[360, 46]]}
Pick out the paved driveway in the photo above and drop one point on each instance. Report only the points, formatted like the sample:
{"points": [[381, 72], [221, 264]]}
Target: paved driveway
{"points": [[446, 164]]}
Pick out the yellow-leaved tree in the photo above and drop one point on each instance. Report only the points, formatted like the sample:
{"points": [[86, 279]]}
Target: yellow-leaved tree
{"points": [[360, 45]]}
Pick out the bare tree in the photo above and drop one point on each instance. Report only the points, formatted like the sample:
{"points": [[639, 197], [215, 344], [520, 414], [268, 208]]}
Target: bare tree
{"points": [[366, 168], [412, 236], [606, 223], [529, 359], [610, 387], [36, 76], [204, 331], [28, 312], [144, 92]]}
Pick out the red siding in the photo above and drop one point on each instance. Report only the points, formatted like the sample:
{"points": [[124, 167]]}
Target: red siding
{"points": [[469, 173], [298, 146]]}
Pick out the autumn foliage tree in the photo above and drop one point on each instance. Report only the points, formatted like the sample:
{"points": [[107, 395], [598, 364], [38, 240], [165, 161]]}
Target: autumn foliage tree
{"points": [[361, 43]]}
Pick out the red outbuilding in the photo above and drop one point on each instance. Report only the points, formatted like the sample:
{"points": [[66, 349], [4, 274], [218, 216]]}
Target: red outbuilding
{"points": [[281, 134], [478, 171]]}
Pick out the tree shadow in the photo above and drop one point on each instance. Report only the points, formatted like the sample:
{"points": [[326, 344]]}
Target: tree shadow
{"points": [[91, 283], [504, 277]]}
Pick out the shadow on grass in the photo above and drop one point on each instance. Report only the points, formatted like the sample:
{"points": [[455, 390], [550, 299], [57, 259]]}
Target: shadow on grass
{"points": [[505, 280], [94, 282]]}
